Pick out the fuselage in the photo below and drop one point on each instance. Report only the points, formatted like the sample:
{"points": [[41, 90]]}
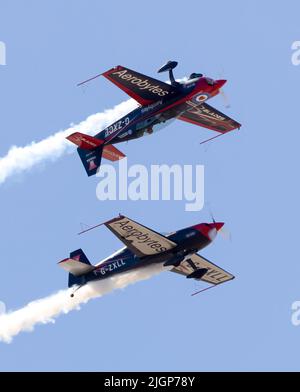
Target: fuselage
{"points": [[144, 120], [189, 241]]}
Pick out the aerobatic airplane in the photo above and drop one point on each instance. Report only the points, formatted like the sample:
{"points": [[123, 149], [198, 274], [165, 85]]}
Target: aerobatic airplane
{"points": [[159, 103], [143, 247]]}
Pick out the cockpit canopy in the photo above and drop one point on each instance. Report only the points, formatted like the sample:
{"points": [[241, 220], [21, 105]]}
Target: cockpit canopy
{"points": [[195, 75]]}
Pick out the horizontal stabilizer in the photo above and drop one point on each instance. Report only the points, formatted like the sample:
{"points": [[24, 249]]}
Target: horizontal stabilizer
{"points": [[76, 267], [111, 153], [85, 142]]}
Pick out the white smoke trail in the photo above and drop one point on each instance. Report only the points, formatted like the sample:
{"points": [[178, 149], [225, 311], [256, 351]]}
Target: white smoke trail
{"points": [[19, 159], [43, 311]]}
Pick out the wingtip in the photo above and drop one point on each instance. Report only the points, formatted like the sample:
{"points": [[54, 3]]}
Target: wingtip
{"points": [[62, 261]]}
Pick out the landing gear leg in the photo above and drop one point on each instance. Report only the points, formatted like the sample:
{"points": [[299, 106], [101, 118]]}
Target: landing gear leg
{"points": [[77, 288]]}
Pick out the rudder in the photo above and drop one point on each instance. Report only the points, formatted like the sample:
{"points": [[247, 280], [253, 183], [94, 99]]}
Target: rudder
{"points": [[79, 255], [91, 159]]}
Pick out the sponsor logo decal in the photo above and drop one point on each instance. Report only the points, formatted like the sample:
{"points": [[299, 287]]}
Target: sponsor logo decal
{"points": [[130, 233], [209, 113], [142, 84], [92, 165], [152, 106], [128, 133]]}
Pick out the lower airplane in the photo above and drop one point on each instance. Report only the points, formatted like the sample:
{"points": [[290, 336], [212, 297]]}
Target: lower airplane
{"points": [[143, 247]]}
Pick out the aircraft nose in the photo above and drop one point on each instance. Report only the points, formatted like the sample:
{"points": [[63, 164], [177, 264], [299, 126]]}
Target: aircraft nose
{"points": [[220, 83], [209, 230], [218, 225]]}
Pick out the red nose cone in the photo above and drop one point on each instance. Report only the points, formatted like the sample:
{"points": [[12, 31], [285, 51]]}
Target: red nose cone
{"points": [[220, 83], [219, 225], [209, 230]]}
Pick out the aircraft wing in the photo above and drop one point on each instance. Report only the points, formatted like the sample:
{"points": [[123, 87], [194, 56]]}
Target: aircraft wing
{"points": [[141, 240], [142, 88], [215, 275], [208, 117]]}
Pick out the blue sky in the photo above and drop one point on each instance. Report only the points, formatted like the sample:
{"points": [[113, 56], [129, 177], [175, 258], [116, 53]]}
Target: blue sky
{"points": [[251, 182]]}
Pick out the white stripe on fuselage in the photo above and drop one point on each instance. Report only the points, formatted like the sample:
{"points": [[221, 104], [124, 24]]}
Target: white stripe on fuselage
{"points": [[111, 256]]}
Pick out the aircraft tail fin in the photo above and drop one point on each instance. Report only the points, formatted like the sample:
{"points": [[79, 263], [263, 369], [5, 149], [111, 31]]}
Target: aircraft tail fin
{"points": [[89, 149], [91, 159], [77, 265]]}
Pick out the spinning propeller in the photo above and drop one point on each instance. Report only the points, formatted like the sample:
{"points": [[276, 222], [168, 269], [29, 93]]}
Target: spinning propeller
{"points": [[225, 233]]}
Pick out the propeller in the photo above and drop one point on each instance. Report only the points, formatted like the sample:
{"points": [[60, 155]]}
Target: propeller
{"points": [[222, 92], [225, 98], [224, 232]]}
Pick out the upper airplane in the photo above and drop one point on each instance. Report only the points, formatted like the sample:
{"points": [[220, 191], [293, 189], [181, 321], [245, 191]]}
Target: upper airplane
{"points": [[159, 103]]}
